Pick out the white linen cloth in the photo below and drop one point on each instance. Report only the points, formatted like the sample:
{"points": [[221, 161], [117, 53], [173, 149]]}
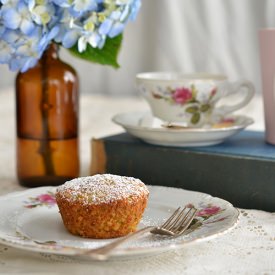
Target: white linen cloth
{"points": [[249, 248]]}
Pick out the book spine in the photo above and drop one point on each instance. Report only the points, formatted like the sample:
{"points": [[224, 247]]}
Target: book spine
{"points": [[243, 181], [99, 158]]}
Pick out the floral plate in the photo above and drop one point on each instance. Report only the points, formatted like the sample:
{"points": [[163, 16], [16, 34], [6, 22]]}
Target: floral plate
{"points": [[144, 126], [30, 220]]}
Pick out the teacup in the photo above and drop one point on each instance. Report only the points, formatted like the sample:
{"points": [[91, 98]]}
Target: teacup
{"points": [[191, 99]]}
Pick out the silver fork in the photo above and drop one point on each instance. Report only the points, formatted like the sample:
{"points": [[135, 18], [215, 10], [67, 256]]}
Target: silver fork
{"points": [[174, 226]]}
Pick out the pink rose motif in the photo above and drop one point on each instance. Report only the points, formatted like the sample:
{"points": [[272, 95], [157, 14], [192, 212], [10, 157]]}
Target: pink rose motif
{"points": [[213, 92], [182, 95], [209, 211], [46, 198]]}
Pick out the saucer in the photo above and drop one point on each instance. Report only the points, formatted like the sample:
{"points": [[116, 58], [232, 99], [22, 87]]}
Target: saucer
{"points": [[155, 133]]}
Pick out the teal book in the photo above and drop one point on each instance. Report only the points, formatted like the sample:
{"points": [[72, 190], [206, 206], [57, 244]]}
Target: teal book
{"points": [[240, 170]]}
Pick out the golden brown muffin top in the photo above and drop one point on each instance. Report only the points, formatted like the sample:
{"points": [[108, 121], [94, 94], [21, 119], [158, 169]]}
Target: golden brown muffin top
{"points": [[104, 188]]}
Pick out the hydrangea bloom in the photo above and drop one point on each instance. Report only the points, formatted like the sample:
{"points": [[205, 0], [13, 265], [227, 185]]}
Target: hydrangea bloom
{"points": [[27, 27]]}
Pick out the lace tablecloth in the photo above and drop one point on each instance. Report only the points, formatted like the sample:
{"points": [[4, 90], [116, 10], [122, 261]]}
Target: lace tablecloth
{"points": [[249, 248]]}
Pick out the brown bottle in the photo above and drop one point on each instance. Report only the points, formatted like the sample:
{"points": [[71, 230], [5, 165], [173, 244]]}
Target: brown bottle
{"points": [[47, 122]]}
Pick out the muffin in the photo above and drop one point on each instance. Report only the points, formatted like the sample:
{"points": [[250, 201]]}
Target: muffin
{"points": [[102, 206]]}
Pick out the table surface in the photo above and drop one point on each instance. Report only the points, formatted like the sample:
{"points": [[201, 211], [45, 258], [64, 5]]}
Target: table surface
{"points": [[249, 248]]}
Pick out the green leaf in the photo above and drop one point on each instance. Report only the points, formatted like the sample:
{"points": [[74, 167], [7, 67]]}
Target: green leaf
{"points": [[195, 118], [157, 96], [105, 56], [192, 109], [195, 225], [205, 107]]}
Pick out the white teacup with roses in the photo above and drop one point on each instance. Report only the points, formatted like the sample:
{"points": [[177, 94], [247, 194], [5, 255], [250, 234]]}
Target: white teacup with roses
{"points": [[191, 99]]}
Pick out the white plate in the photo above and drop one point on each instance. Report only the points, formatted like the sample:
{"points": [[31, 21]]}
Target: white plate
{"points": [[30, 220], [131, 122]]}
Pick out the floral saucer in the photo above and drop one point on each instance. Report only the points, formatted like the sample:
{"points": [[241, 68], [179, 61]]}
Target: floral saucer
{"points": [[144, 126]]}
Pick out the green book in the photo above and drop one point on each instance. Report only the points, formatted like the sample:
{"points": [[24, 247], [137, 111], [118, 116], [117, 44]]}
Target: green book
{"points": [[240, 170]]}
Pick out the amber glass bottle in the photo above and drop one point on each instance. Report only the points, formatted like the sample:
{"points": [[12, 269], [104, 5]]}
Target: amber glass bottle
{"points": [[47, 122]]}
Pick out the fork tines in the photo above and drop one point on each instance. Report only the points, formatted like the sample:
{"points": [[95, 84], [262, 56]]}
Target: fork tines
{"points": [[179, 221]]}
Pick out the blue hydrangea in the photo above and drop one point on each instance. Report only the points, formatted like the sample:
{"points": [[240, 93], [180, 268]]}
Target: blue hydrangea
{"points": [[27, 27]]}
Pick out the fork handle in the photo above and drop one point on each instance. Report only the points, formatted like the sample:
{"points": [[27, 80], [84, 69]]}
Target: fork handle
{"points": [[103, 252]]}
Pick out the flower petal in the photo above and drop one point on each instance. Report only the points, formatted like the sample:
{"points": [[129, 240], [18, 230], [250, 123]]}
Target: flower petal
{"points": [[106, 26], [27, 26], [11, 19], [117, 28], [70, 39], [82, 44]]}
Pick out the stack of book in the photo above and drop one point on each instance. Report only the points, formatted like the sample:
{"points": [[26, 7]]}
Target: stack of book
{"points": [[240, 170]]}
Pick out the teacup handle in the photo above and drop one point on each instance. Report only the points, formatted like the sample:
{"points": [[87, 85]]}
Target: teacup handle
{"points": [[235, 88]]}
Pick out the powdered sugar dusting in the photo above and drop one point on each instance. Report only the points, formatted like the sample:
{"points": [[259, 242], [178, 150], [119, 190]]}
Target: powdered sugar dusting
{"points": [[103, 188]]}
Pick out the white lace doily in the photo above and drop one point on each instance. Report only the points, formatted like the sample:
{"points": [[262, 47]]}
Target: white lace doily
{"points": [[247, 249]]}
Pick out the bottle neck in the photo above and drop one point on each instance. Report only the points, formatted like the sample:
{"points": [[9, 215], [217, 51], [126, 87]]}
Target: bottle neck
{"points": [[51, 53]]}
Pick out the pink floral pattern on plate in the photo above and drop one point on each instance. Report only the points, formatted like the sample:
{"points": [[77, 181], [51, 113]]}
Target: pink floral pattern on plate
{"points": [[47, 199], [205, 212]]}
